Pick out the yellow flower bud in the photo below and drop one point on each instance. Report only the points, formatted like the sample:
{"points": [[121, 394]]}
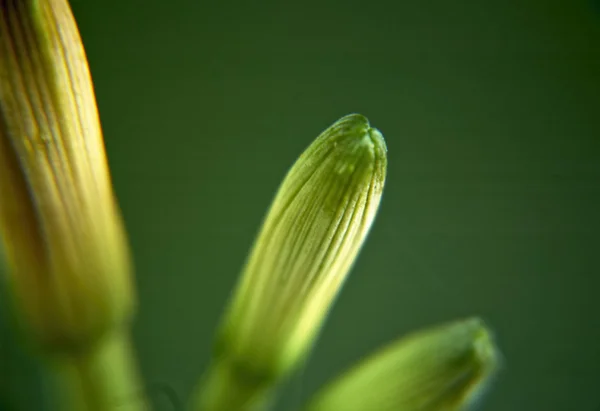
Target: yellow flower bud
{"points": [[444, 368], [309, 240], [59, 221]]}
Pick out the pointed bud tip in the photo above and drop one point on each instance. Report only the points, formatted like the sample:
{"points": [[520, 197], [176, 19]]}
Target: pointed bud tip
{"points": [[358, 149], [486, 349], [359, 128]]}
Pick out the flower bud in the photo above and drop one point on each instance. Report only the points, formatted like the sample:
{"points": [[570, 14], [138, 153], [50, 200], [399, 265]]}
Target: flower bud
{"points": [[440, 369], [309, 240], [62, 231]]}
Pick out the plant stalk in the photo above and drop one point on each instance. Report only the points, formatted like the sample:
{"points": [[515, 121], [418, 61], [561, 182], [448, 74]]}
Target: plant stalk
{"points": [[102, 378], [227, 387]]}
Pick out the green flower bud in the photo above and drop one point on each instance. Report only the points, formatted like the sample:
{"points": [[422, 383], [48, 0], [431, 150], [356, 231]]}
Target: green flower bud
{"points": [[444, 368], [309, 240], [65, 244]]}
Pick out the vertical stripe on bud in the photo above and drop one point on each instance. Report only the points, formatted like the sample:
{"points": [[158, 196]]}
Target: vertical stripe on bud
{"points": [[440, 369], [61, 227], [309, 240]]}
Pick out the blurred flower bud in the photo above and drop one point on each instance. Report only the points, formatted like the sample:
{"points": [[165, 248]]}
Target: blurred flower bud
{"points": [[440, 369], [62, 231]]}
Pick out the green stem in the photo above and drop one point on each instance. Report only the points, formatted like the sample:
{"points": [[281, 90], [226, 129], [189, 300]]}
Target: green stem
{"points": [[104, 378], [225, 388]]}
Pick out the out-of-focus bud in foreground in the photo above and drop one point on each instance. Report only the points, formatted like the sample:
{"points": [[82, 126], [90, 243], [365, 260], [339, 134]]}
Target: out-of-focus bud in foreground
{"points": [[70, 270], [445, 368], [65, 243], [308, 242]]}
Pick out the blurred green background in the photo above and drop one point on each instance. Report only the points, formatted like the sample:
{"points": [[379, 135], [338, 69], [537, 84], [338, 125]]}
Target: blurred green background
{"points": [[491, 112]]}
